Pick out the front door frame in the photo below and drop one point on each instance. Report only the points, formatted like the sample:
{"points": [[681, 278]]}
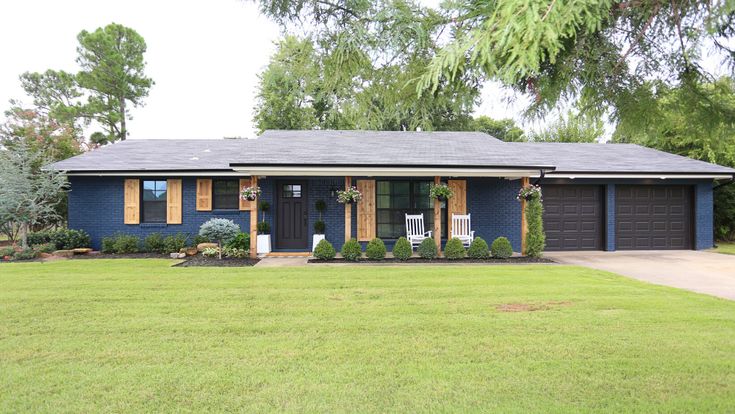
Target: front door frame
{"points": [[278, 223]]}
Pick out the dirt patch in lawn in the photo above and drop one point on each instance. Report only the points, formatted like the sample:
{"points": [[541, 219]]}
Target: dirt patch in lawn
{"points": [[531, 307], [200, 260], [442, 260]]}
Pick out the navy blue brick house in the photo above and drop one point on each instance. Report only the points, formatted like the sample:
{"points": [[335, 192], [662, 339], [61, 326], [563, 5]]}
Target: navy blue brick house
{"points": [[596, 196]]}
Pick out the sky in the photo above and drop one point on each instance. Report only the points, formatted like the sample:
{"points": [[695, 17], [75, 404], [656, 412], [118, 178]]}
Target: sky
{"points": [[204, 56]]}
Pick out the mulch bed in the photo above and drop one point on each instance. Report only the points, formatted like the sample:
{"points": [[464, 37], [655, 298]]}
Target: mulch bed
{"points": [[442, 260], [200, 260], [121, 256]]}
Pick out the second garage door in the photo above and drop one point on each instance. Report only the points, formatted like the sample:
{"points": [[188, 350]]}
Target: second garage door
{"points": [[573, 217], [649, 217]]}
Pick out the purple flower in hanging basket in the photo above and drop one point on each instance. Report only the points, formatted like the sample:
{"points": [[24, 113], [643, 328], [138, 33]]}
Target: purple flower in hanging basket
{"points": [[349, 196]]}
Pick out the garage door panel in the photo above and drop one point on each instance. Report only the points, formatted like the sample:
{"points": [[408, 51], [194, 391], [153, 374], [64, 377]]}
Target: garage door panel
{"points": [[573, 217], [656, 217]]}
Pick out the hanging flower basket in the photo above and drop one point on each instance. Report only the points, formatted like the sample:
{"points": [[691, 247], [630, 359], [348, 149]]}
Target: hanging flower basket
{"points": [[250, 193], [441, 192], [349, 196], [528, 193]]}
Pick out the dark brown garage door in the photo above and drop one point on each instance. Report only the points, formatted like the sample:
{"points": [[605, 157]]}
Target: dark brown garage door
{"points": [[573, 217], [653, 217]]}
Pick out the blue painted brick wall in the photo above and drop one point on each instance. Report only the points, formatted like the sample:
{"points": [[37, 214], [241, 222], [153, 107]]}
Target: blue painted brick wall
{"points": [[704, 211], [495, 210], [96, 205]]}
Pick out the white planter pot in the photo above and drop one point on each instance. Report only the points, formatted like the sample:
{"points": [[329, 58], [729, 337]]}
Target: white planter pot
{"points": [[264, 244], [315, 239]]}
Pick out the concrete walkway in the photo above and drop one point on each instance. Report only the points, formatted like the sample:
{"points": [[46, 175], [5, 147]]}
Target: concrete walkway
{"points": [[698, 271], [282, 261]]}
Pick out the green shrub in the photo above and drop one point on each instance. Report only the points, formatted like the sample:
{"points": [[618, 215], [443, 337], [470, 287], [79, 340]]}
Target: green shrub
{"points": [[427, 249], [67, 239], [154, 243], [8, 251], [402, 249], [478, 249], [210, 252], [126, 243], [501, 248], [25, 254], [241, 242], [535, 238], [264, 227], [324, 250], [351, 250], [375, 249], [198, 239], [44, 248], [39, 237], [319, 227], [174, 243], [219, 230], [235, 252], [454, 249], [108, 245]]}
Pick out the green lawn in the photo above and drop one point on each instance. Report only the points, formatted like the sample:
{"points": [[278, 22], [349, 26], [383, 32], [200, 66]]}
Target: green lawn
{"points": [[139, 336], [724, 247]]}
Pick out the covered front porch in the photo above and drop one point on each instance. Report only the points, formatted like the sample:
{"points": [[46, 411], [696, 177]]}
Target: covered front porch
{"points": [[293, 201]]}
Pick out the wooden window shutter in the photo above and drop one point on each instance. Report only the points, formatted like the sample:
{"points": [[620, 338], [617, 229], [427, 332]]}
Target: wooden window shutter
{"points": [[131, 213], [173, 201], [204, 194], [366, 211], [458, 203], [245, 204]]}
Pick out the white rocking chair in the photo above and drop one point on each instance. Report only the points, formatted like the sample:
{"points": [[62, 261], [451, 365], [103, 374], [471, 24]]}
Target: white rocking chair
{"points": [[415, 229], [461, 229]]}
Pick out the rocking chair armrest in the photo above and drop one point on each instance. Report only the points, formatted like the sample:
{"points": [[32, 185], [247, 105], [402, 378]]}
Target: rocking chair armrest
{"points": [[472, 234], [428, 233]]}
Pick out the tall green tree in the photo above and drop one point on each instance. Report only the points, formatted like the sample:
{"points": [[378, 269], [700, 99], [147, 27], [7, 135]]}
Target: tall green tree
{"points": [[504, 129], [112, 78], [572, 127], [113, 72], [357, 68], [696, 121], [594, 53]]}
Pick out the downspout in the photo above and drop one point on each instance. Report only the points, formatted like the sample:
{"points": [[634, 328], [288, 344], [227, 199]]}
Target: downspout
{"points": [[541, 175]]}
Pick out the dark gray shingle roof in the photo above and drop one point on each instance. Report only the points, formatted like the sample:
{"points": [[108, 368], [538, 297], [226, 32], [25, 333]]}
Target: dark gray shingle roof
{"points": [[455, 149]]}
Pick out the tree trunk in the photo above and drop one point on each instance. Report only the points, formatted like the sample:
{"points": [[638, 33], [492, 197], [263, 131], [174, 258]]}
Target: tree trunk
{"points": [[123, 129], [23, 235]]}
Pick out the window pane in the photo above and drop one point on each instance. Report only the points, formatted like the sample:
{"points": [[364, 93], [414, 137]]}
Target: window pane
{"points": [[383, 187], [225, 194], [401, 202], [400, 187]]}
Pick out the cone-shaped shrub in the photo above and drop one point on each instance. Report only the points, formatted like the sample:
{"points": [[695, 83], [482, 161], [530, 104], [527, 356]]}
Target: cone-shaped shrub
{"points": [[501, 248], [324, 250], [375, 249], [427, 249], [351, 250], [402, 249], [478, 249], [454, 249]]}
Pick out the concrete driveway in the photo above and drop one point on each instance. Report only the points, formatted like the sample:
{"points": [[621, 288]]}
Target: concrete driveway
{"points": [[698, 271]]}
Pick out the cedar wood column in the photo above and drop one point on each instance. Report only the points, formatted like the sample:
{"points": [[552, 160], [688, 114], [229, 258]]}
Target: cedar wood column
{"points": [[524, 223], [438, 219], [254, 221], [348, 212]]}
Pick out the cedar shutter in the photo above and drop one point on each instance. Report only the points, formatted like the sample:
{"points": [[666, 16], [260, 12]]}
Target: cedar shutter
{"points": [[366, 210], [458, 203], [244, 204], [204, 194], [131, 213], [173, 201]]}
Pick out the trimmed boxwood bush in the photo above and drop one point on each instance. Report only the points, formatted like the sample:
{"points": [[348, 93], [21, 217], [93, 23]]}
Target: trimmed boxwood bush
{"points": [[351, 250], [427, 249], [66, 239], [375, 249], [319, 227], [478, 249], [263, 227], [324, 250], [126, 243], [39, 237], [108, 245], [174, 243], [454, 249], [402, 249], [153, 243], [501, 248]]}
